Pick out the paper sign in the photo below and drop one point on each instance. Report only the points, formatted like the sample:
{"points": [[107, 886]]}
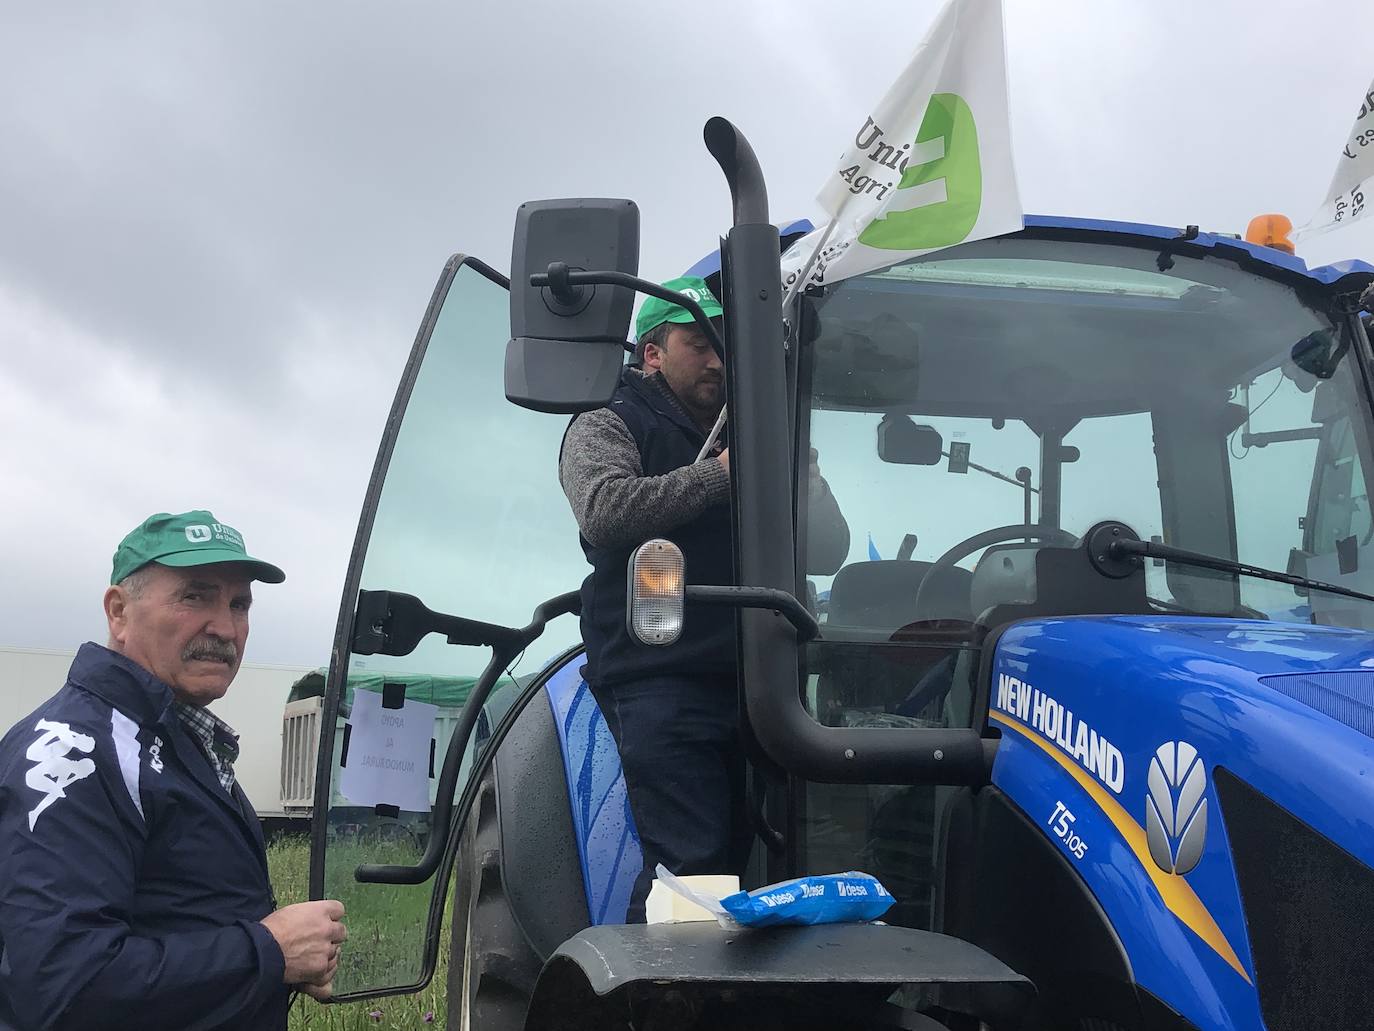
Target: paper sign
{"points": [[388, 754]]}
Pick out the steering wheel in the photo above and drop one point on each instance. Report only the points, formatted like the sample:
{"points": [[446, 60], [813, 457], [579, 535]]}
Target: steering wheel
{"points": [[997, 535]]}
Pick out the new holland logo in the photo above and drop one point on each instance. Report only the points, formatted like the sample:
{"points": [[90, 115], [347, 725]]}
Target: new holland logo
{"points": [[1175, 810]]}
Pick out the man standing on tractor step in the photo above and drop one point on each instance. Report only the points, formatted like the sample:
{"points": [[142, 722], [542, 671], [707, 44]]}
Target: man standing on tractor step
{"points": [[630, 473], [133, 879]]}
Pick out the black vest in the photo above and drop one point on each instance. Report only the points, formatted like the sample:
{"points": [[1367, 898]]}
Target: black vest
{"points": [[667, 440]]}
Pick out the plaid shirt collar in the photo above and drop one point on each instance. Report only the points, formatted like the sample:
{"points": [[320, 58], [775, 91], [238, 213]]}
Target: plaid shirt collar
{"points": [[219, 740]]}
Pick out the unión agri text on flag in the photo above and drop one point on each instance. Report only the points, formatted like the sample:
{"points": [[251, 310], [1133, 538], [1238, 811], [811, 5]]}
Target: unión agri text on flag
{"points": [[931, 166]]}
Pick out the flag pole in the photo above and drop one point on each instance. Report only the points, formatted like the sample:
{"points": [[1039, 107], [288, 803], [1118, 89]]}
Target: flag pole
{"points": [[711, 437], [796, 286]]}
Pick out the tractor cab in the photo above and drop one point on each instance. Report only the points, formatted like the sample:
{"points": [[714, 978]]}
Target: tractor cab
{"points": [[980, 411], [1104, 484]]}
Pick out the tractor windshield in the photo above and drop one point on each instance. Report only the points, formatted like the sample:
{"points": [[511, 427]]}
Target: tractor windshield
{"points": [[1007, 395]]}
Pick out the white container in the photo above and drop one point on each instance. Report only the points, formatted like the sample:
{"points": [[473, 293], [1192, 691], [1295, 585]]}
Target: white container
{"points": [[665, 906]]}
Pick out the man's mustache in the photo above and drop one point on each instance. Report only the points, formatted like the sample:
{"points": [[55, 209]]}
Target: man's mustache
{"points": [[210, 649]]}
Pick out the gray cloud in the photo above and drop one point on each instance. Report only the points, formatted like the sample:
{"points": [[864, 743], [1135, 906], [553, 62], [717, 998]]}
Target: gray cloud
{"points": [[219, 225]]}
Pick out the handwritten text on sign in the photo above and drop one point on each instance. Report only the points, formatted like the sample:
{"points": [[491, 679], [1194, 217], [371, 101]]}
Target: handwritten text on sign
{"points": [[388, 754]]}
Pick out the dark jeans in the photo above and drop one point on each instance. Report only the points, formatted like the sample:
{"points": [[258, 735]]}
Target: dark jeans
{"points": [[680, 749]]}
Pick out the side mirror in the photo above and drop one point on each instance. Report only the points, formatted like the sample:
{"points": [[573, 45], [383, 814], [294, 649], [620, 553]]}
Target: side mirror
{"points": [[903, 442], [567, 344], [1319, 353]]}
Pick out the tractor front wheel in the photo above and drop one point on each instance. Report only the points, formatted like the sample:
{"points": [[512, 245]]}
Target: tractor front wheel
{"points": [[493, 969]]}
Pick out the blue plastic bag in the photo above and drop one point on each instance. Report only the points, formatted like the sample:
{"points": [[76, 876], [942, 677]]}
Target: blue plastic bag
{"points": [[836, 898], [833, 898]]}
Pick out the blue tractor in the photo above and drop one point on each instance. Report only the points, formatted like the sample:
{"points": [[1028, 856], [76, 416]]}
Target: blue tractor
{"points": [[1096, 705]]}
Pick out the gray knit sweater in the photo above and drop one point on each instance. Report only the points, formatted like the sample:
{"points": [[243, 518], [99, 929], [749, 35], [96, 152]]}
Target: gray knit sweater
{"points": [[616, 504]]}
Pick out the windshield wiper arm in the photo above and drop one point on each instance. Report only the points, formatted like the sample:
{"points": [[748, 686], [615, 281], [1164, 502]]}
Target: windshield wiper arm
{"points": [[1115, 551]]}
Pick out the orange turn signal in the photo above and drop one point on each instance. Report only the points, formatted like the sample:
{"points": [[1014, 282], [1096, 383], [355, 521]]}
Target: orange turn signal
{"points": [[1271, 231], [656, 592]]}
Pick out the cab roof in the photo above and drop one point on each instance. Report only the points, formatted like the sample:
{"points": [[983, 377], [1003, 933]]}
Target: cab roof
{"points": [[1349, 275]]}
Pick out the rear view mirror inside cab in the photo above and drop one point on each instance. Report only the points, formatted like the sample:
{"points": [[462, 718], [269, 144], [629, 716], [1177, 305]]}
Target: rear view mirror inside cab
{"points": [[1318, 354], [903, 442], [568, 341]]}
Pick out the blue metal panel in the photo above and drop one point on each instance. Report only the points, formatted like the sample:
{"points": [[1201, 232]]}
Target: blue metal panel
{"points": [[1347, 696], [1325, 274], [1085, 704], [606, 838]]}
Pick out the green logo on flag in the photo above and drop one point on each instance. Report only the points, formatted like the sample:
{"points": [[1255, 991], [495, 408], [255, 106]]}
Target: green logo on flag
{"points": [[939, 223]]}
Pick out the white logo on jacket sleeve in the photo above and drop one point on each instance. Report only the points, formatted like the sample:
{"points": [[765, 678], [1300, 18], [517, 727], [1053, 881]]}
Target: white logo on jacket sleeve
{"points": [[52, 772]]}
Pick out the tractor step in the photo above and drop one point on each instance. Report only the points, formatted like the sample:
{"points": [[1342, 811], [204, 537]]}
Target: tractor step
{"points": [[620, 975]]}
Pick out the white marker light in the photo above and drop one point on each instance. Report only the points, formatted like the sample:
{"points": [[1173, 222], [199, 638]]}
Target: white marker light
{"points": [[654, 613]]}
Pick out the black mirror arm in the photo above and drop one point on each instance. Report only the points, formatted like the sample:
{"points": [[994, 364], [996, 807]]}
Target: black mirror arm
{"points": [[560, 277], [504, 652]]}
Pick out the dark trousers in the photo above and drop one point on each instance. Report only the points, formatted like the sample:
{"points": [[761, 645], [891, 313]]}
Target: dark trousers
{"points": [[679, 744]]}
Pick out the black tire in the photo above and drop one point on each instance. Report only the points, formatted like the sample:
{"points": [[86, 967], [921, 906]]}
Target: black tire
{"points": [[492, 970]]}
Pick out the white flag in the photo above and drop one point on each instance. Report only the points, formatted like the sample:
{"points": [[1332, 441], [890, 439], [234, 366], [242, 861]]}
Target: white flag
{"points": [[931, 166], [1353, 182]]}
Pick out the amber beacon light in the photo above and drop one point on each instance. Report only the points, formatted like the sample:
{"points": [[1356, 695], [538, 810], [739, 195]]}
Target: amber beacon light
{"points": [[1271, 231]]}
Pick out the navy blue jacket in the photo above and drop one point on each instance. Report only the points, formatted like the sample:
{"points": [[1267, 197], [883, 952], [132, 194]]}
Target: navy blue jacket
{"points": [[131, 882], [667, 440]]}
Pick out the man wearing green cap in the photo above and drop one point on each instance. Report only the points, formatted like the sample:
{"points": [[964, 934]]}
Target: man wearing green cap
{"points": [[672, 344], [630, 472], [133, 877]]}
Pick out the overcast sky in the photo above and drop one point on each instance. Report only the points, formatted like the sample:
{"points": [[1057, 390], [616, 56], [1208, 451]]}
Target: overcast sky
{"points": [[220, 223]]}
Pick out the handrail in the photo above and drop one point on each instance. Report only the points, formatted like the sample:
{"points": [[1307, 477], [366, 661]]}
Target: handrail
{"points": [[503, 654]]}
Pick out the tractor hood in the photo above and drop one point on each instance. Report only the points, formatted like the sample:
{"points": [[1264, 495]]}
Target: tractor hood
{"points": [[1171, 759], [1288, 709]]}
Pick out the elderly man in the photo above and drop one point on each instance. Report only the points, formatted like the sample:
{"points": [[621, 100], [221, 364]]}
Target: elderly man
{"points": [[133, 879], [630, 472]]}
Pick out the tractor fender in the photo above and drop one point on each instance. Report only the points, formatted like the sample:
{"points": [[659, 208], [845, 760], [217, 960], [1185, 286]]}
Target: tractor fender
{"points": [[610, 974]]}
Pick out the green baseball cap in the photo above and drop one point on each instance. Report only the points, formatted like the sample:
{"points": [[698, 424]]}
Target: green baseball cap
{"points": [[186, 539], [654, 312]]}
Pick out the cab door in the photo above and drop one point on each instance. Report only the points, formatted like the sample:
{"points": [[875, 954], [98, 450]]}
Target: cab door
{"points": [[1339, 529], [464, 535]]}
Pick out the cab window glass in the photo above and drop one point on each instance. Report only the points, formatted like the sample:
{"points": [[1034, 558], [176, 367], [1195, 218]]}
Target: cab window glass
{"points": [[471, 520], [1341, 507]]}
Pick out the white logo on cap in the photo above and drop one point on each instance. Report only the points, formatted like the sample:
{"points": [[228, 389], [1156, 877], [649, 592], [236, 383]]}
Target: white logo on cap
{"points": [[198, 533]]}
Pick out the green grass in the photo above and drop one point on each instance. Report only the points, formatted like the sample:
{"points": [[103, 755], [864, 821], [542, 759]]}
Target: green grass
{"points": [[386, 932]]}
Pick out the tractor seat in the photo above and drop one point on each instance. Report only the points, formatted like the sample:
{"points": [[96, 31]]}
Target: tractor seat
{"points": [[869, 603], [881, 595]]}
